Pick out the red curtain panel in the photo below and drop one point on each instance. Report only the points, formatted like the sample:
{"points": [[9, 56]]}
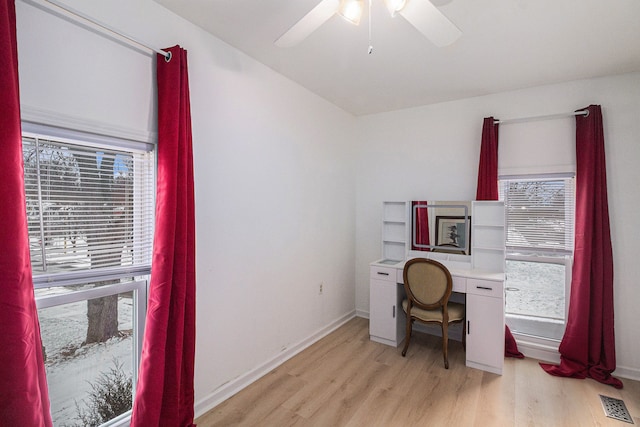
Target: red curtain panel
{"points": [[588, 345], [488, 190], [24, 397], [422, 225], [165, 394]]}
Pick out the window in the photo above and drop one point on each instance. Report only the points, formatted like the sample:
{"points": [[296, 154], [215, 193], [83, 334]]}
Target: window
{"points": [[89, 202], [540, 225]]}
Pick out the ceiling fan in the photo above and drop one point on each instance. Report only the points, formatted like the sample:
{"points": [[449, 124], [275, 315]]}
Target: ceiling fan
{"points": [[422, 14]]}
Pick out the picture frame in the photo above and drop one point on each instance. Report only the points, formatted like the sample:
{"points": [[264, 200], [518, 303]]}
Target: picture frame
{"points": [[453, 232]]}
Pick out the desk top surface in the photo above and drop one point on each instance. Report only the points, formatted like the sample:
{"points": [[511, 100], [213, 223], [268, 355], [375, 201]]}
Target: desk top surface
{"points": [[456, 269]]}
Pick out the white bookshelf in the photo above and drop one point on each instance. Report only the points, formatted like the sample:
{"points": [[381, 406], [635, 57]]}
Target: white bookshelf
{"points": [[488, 236], [394, 230]]}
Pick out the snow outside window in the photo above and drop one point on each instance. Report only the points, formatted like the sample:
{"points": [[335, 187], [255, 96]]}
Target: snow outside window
{"points": [[539, 243], [90, 206]]}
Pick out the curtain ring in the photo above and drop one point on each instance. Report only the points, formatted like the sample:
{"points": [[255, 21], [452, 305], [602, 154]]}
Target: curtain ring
{"points": [[167, 58]]}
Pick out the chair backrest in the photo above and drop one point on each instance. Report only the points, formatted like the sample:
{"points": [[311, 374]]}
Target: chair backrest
{"points": [[427, 283]]}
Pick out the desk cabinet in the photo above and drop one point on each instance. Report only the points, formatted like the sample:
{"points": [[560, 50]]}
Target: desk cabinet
{"points": [[386, 317], [480, 276], [484, 312], [485, 325]]}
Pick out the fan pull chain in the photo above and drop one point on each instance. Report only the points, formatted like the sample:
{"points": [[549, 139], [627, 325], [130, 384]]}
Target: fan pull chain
{"points": [[370, 44]]}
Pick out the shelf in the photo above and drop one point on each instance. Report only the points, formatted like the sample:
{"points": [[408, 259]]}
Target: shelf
{"points": [[489, 260], [394, 230], [488, 248], [488, 226], [387, 262], [393, 251], [394, 212], [488, 213], [488, 236]]}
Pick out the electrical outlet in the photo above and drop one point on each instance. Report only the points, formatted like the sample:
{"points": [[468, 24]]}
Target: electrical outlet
{"points": [[320, 288]]}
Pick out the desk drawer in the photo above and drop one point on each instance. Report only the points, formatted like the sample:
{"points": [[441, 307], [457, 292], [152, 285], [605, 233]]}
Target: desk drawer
{"points": [[383, 273], [485, 287]]}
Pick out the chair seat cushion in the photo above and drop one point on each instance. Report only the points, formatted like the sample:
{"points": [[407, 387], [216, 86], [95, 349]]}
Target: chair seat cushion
{"points": [[456, 312]]}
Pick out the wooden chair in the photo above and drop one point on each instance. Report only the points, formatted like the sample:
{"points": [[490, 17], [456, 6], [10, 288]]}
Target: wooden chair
{"points": [[428, 286]]}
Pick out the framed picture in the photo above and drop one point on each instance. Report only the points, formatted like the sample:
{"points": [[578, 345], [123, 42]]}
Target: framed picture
{"points": [[451, 231]]}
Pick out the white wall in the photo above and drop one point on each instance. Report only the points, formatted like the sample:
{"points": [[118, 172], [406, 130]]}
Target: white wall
{"points": [[275, 178], [274, 182], [432, 152]]}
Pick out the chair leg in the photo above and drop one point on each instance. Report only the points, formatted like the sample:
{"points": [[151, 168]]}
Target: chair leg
{"points": [[408, 337], [445, 344]]}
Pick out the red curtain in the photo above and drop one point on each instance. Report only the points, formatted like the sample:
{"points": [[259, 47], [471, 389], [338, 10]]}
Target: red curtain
{"points": [[588, 345], [488, 169], [24, 397], [164, 395], [422, 225], [488, 190]]}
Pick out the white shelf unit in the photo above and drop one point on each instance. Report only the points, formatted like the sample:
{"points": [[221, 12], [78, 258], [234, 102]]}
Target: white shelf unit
{"points": [[394, 226], [488, 236]]}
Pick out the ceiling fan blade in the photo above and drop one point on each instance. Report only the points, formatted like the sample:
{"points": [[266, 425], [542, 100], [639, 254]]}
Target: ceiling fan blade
{"points": [[308, 23], [427, 19]]}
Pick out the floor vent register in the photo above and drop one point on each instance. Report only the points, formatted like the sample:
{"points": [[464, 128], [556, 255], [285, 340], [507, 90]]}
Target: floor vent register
{"points": [[616, 409]]}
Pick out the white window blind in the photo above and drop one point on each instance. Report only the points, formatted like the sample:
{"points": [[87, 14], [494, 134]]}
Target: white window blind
{"points": [[89, 209], [539, 214]]}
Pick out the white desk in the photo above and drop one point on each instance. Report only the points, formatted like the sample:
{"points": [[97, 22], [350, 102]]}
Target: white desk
{"points": [[484, 311]]}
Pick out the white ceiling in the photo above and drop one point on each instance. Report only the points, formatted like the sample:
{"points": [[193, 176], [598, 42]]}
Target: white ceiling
{"points": [[505, 45]]}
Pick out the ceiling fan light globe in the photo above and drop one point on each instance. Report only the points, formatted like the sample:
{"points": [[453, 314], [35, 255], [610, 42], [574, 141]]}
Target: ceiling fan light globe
{"points": [[394, 6], [351, 10]]}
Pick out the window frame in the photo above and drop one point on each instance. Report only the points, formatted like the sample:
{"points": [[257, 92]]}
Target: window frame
{"points": [[59, 135], [560, 256], [139, 289], [136, 277]]}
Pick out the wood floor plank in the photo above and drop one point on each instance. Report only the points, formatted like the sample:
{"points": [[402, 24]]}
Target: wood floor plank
{"points": [[326, 347], [257, 401], [381, 408], [496, 401], [352, 391], [347, 380]]}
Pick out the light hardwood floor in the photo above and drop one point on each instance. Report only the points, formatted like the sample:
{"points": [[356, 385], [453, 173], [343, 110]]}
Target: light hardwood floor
{"points": [[347, 380]]}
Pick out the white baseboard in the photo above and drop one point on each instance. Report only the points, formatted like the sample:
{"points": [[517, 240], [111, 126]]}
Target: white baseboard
{"points": [[229, 389], [533, 348], [362, 313], [628, 373]]}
